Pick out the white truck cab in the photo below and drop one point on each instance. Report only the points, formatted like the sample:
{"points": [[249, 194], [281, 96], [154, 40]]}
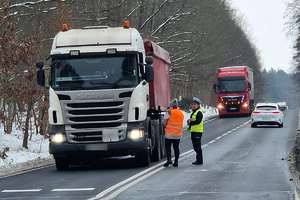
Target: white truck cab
{"points": [[99, 96]]}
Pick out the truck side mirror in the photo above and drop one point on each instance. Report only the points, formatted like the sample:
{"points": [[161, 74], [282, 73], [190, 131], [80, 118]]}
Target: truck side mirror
{"points": [[149, 60], [249, 86], [149, 76], [215, 88], [39, 64], [40, 75]]}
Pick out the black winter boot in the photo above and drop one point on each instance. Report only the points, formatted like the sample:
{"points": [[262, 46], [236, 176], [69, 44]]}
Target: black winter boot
{"points": [[175, 164], [169, 162]]}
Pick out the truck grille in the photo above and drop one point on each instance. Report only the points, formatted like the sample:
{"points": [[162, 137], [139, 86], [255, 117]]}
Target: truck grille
{"points": [[85, 120], [233, 103], [232, 108]]}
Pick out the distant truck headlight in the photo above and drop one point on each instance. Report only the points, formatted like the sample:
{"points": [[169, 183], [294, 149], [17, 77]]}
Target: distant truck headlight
{"points": [[135, 134], [221, 106], [245, 105], [57, 138]]}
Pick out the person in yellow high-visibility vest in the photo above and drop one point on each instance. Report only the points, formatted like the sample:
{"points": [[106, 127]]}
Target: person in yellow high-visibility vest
{"points": [[173, 122], [195, 126]]}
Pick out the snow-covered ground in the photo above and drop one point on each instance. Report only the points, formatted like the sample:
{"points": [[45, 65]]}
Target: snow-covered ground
{"points": [[37, 155]]}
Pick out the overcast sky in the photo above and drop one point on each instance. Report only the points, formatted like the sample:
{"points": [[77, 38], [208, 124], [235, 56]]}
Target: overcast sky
{"points": [[265, 19]]}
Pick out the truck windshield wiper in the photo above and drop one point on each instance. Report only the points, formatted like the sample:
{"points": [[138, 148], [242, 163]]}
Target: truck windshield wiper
{"points": [[112, 85], [70, 88]]}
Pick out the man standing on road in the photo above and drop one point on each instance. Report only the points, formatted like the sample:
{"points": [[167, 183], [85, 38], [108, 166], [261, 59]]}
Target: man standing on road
{"points": [[195, 126], [173, 122]]}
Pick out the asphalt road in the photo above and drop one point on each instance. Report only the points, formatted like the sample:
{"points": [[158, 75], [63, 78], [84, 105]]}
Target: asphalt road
{"points": [[239, 163]]}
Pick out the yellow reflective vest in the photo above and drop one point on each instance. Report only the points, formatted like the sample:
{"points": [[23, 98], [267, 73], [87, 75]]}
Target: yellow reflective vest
{"points": [[198, 127]]}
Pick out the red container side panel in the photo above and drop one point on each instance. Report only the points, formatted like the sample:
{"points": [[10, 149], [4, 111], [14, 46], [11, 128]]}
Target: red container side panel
{"points": [[160, 92]]}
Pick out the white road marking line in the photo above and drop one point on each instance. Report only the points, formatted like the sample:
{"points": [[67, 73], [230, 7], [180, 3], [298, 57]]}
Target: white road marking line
{"points": [[133, 180], [196, 170], [72, 189], [211, 141], [28, 190], [122, 189], [142, 175]]}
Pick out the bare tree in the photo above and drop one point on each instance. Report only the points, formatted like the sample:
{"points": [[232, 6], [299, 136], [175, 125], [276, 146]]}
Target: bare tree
{"points": [[293, 29], [199, 35]]}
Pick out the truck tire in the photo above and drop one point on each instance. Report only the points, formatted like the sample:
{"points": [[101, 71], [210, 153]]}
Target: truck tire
{"points": [[61, 163], [156, 152], [143, 158], [162, 140]]}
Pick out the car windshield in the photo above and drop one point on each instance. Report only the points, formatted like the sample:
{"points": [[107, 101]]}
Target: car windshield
{"points": [[231, 85], [95, 72], [266, 108]]}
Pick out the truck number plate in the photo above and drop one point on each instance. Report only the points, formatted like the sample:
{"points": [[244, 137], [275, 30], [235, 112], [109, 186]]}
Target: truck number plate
{"points": [[110, 135]]}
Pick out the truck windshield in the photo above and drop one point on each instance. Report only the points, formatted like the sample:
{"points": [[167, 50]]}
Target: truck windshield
{"points": [[94, 72], [231, 85]]}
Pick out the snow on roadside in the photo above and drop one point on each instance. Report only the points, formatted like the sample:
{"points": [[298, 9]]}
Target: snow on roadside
{"points": [[37, 155], [17, 158], [37, 147]]}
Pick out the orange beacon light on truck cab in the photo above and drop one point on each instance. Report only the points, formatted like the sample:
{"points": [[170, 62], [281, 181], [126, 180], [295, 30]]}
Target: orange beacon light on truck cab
{"points": [[126, 24], [64, 27]]}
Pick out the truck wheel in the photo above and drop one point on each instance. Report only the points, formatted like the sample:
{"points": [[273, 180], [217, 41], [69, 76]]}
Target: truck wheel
{"points": [[162, 140], [61, 163], [143, 158], [156, 152]]}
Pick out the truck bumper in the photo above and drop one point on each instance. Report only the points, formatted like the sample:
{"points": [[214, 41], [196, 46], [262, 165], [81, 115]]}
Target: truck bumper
{"points": [[241, 112], [99, 150], [232, 110]]}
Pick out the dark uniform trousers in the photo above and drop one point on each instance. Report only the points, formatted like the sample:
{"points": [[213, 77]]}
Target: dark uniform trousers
{"points": [[196, 140]]}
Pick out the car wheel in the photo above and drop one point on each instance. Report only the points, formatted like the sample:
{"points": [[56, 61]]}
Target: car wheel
{"points": [[280, 125], [253, 125]]}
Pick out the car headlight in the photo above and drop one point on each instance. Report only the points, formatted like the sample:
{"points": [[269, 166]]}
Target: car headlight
{"points": [[135, 134], [57, 138]]}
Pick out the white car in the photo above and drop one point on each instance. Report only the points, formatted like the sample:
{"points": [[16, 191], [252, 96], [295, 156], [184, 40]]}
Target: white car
{"points": [[267, 114]]}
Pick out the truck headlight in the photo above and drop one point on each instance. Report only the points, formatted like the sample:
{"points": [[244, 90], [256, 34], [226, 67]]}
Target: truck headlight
{"points": [[220, 106], [135, 134], [245, 105], [57, 138]]}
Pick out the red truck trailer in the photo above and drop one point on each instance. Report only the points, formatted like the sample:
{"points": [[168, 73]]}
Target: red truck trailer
{"points": [[160, 92], [235, 90], [107, 91]]}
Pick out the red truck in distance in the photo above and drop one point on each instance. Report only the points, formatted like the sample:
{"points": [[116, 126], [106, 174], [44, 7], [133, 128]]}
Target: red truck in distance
{"points": [[235, 91]]}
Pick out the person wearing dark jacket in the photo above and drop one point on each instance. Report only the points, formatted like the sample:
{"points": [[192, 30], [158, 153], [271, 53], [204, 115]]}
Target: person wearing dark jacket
{"points": [[195, 126]]}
